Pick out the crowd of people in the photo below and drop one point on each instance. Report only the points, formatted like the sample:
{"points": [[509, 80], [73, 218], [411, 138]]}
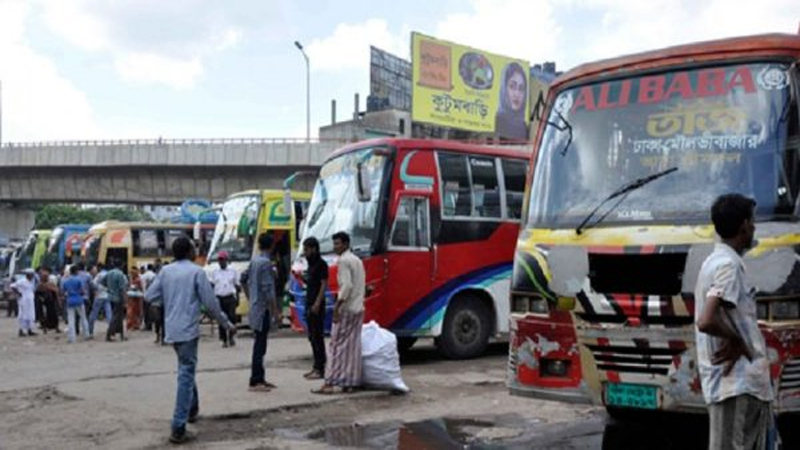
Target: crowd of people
{"points": [[80, 296], [171, 299]]}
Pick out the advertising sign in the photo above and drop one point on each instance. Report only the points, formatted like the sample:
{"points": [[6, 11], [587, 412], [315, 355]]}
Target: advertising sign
{"points": [[389, 82], [461, 87]]}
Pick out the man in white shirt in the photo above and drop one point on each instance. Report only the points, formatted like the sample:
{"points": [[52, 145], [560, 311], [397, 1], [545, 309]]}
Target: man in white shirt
{"points": [[147, 279], [225, 280]]}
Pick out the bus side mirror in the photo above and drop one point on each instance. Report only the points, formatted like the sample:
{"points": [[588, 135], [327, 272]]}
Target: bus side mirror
{"points": [[364, 191]]}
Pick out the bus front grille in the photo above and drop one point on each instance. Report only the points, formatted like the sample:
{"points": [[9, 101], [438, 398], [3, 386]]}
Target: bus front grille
{"points": [[790, 377], [655, 274], [633, 359]]}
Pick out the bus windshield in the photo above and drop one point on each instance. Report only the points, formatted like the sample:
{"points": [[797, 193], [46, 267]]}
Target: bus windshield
{"points": [[51, 256], [335, 205], [236, 228], [724, 129], [92, 246]]}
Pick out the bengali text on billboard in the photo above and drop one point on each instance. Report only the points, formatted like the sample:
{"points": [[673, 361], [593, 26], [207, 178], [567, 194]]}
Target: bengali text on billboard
{"points": [[461, 87]]}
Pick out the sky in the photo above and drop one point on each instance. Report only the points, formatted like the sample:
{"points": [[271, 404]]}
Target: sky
{"points": [[122, 69]]}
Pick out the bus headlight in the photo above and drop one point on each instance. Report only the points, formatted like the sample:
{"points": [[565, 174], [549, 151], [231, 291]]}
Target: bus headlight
{"points": [[785, 310], [529, 303]]}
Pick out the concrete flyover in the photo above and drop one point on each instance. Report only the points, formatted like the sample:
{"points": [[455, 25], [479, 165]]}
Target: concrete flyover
{"points": [[151, 171]]}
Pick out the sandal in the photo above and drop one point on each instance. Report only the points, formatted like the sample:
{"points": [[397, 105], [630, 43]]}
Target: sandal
{"points": [[325, 390], [313, 375], [259, 388], [270, 385]]}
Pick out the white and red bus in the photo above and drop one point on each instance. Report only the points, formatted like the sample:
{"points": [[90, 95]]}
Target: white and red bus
{"points": [[435, 223]]}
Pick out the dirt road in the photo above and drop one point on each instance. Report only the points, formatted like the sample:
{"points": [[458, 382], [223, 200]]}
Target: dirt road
{"points": [[95, 394]]}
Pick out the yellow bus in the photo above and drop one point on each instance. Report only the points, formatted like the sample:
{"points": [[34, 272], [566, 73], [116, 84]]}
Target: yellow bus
{"points": [[134, 243], [245, 215], [33, 249]]}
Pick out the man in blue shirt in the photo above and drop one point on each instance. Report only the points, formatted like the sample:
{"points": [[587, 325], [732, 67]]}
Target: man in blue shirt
{"points": [[182, 287], [263, 304], [75, 294]]}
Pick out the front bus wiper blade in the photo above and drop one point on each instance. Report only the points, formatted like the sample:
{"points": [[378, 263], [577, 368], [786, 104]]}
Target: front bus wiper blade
{"points": [[621, 192]]}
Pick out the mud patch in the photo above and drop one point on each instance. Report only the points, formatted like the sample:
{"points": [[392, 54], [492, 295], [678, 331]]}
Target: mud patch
{"points": [[25, 399]]}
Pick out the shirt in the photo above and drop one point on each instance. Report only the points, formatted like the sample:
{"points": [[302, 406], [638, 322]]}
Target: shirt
{"points": [[74, 291], [723, 275], [182, 287], [147, 278], [99, 286], [352, 281], [117, 284], [225, 281], [260, 289], [317, 273], [86, 281]]}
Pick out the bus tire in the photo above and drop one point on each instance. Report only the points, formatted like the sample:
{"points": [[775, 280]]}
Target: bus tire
{"points": [[466, 329]]}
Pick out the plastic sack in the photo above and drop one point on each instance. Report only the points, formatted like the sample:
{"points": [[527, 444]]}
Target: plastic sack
{"points": [[380, 361]]}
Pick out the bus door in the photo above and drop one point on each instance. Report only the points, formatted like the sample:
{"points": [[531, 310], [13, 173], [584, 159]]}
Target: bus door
{"points": [[410, 265]]}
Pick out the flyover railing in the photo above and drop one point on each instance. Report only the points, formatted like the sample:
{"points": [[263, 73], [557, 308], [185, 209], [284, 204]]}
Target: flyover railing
{"points": [[171, 141]]}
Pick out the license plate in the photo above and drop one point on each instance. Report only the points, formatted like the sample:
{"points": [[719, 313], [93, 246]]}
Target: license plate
{"points": [[632, 395]]}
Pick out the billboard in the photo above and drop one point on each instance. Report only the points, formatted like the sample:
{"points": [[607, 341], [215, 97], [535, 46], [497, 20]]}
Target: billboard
{"points": [[389, 82], [461, 87]]}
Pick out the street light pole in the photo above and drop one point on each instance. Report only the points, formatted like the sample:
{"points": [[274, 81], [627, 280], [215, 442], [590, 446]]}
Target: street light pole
{"points": [[308, 91]]}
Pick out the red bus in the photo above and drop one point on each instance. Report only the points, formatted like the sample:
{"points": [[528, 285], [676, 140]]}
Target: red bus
{"points": [[632, 154], [435, 224]]}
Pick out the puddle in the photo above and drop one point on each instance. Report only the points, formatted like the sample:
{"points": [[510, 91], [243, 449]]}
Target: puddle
{"points": [[444, 433]]}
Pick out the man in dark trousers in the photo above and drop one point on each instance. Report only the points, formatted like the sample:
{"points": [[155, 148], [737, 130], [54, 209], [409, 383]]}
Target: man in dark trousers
{"points": [[116, 283], [263, 307], [316, 279], [183, 287]]}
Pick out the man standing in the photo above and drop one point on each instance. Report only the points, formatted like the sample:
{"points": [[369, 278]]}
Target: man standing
{"points": [[47, 293], [75, 299], [101, 302], [225, 280], [147, 279], [263, 307], [117, 284], [344, 368], [316, 284], [24, 287], [183, 287], [731, 353]]}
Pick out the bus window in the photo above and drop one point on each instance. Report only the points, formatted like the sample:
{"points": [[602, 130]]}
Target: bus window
{"points": [[514, 177], [456, 191], [145, 243], [411, 226], [485, 188]]}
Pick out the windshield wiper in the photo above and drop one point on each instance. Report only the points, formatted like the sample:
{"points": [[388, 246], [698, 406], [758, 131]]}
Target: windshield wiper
{"points": [[621, 192]]}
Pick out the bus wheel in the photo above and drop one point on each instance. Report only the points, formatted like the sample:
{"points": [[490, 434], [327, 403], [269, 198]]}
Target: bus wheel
{"points": [[465, 333], [405, 343]]}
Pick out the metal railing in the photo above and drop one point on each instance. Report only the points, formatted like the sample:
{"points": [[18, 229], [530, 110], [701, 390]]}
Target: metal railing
{"points": [[172, 141]]}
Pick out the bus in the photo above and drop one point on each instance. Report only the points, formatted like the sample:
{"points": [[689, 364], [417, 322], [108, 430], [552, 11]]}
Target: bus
{"points": [[134, 243], [32, 252], [625, 168], [243, 217], [435, 223], [64, 247]]}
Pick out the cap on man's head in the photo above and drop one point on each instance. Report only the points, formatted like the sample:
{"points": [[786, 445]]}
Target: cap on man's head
{"points": [[29, 272], [223, 255]]}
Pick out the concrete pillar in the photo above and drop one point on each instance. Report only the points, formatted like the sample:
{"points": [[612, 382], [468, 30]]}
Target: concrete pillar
{"points": [[15, 223]]}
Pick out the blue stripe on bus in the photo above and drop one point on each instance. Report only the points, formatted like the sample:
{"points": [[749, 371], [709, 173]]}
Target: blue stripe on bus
{"points": [[418, 314]]}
